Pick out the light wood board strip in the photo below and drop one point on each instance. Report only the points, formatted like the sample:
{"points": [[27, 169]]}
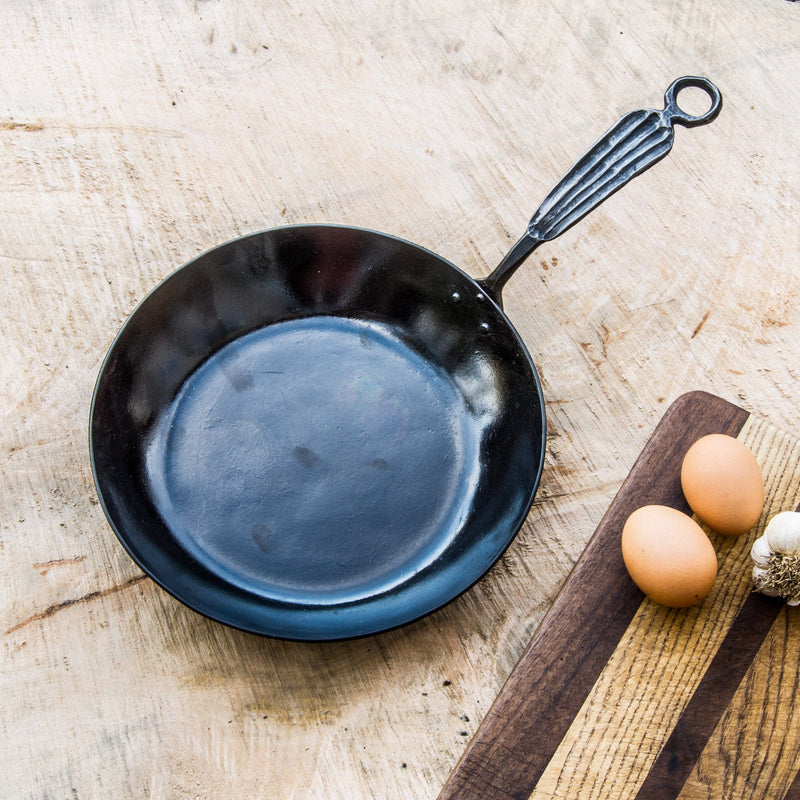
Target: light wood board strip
{"points": [[685, 744], [755, 749]]}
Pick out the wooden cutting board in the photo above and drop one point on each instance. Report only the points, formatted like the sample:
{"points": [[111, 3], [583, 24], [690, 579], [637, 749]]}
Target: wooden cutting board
{"points": [[618, 697]]}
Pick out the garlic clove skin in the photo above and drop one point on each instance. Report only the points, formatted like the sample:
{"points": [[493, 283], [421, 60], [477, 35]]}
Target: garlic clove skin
{"points": [[760, 552], [783, 533]]}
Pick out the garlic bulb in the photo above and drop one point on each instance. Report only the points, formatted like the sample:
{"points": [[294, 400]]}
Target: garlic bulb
{"points": [[776, 555]]}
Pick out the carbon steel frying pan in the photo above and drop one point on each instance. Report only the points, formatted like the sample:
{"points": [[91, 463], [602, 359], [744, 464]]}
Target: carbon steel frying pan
{"points": [[321, 432]]}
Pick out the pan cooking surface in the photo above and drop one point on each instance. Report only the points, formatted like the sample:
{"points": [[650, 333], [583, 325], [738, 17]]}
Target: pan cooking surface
{"points": [[317, 460]]}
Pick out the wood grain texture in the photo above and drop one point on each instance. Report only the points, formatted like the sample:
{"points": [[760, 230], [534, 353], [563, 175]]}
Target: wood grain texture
{"points": [[134, 136], [755, 749], [711, 699]]}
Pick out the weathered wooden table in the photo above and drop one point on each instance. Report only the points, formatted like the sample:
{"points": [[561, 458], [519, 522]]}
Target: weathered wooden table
{"points": [[134, 136]]}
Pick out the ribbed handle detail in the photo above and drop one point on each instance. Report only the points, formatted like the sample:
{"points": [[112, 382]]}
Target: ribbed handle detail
{"points": [[636, 142]]}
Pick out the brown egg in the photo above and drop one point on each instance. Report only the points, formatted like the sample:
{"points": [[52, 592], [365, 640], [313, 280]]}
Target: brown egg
{"points": [[669, 556], [722, 483]]}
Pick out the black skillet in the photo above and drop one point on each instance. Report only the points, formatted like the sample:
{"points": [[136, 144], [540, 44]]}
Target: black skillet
{"points": [[320, 432]]}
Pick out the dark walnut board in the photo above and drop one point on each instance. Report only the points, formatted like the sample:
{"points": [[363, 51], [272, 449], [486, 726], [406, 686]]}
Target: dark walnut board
{"points": [[617, 697]]}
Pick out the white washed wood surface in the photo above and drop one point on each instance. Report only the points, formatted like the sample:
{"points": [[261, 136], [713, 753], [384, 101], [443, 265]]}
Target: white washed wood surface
{"points": [[135, 135]]}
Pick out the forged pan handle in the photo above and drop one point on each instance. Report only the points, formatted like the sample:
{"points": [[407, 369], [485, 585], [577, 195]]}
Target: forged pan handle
{"points": [[636, 142]]}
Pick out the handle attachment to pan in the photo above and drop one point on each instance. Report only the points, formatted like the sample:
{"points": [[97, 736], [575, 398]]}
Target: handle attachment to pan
{"points": [[636, 142]]}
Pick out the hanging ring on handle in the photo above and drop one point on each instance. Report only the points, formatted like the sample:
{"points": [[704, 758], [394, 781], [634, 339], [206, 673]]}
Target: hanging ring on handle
{"points": [[678, 116]]}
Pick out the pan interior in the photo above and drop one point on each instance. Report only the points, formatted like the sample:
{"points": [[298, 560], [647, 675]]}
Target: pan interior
{"points": [[316, 460]]}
